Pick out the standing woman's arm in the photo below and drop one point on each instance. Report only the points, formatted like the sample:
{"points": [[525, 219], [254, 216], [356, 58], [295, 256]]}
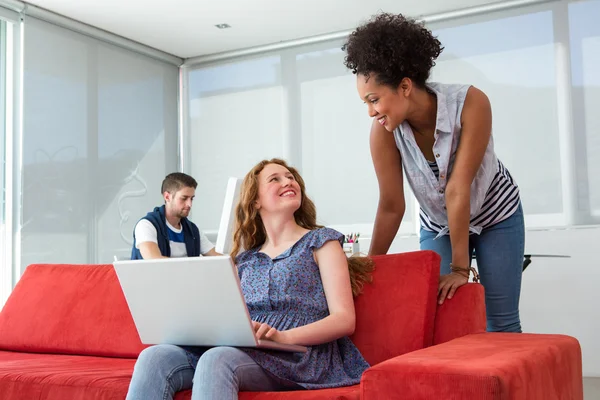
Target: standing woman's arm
{"points": [[476, 121], [388, 168]]}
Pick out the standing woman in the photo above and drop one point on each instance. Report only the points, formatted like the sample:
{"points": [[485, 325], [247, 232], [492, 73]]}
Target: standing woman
{"points": [[441, 136]]}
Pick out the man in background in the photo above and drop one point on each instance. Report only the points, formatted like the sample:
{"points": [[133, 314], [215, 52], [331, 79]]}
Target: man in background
{"points": [[166, 231]]}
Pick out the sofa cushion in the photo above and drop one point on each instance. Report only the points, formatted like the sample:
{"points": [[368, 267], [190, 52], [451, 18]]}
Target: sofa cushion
{"points": [[486, 366], [69, 309], [395, 314], [27, 376]]}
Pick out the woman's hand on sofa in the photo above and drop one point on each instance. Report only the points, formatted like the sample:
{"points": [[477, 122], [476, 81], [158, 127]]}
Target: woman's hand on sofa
{"points": [[448, 285]]}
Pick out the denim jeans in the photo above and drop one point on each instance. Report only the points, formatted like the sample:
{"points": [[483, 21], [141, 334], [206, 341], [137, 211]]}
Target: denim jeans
{"points": [[220, 373], [499, 252]]}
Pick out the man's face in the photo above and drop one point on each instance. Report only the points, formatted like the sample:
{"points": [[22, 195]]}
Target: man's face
{"points": [[179, 204]]}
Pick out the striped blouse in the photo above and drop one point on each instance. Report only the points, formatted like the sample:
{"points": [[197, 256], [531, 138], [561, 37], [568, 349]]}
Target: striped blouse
{"points": [[501, 201], [494, 194]]}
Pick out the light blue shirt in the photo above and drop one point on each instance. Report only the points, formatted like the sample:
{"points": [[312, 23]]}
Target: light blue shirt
{"points": [[428, 189]]}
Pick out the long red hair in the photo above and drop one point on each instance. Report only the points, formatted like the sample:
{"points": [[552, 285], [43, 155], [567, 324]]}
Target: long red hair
{"points": [[249, 231]]}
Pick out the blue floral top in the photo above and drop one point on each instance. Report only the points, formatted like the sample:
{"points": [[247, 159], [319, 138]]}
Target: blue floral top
{"points": [[286, 292]]}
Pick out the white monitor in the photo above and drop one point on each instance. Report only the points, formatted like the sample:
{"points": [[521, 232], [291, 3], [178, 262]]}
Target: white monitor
{"points": [[225, 235]]}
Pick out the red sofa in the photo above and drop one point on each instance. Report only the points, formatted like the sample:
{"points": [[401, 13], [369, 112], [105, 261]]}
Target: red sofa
{"points": [[66, 334]]}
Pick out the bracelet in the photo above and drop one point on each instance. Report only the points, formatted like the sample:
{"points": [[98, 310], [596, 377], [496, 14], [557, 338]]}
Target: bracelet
{"points": [[468, 270]]}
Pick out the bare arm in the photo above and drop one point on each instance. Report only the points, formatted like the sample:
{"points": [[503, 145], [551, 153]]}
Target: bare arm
{"points": [[340, 322], [391, 207], [476, 131], [212, 252], [150, 250]]}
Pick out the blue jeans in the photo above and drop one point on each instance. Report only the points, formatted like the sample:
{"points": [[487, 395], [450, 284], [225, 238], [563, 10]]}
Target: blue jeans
{"points": [[220, 373], [499, 252]]}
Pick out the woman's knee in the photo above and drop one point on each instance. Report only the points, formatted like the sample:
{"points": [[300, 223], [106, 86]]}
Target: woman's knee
{"points": [[219, 357], [157, 353], [162, 370], [162, 356]]}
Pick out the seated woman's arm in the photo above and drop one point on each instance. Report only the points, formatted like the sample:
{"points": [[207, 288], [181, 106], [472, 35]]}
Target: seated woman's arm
{"points": [[340, 322]]}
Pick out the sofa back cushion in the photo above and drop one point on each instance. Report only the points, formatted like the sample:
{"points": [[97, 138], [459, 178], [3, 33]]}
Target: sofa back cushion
{"points": [[81, 309], [69, 309], [395, 314]]}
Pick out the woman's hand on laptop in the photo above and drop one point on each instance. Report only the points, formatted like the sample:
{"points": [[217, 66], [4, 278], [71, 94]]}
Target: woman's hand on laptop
{"points": [[265, 331]]}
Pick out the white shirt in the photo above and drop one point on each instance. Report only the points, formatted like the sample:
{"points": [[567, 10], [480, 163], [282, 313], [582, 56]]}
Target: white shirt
{"points": [[146, 232]]}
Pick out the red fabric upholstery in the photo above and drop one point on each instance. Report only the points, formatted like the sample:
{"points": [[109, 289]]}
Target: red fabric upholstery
{"points": [[487, 366], [27, 376], [395, 314], [69, 309], [451, 320]]}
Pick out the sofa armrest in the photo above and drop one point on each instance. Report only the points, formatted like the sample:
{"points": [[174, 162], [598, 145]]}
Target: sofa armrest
{"points": [[461, 315], [490, 366]]}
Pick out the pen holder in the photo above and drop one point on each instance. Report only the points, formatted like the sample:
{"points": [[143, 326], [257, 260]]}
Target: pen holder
{"points": [[351, 248]]}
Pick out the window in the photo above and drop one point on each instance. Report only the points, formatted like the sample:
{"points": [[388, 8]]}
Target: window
{"points": [[585, 64], [3, 102], [336, 160], [516, 69], [236, 118], [6, 276], [301, 104], [99, 136]]}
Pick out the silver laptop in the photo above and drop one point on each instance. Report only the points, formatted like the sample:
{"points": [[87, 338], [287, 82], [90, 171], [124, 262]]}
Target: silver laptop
{"points": [[194, 301]]}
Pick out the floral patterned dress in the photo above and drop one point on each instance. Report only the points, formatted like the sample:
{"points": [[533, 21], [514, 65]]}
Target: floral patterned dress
{"points": [[286, 292]]}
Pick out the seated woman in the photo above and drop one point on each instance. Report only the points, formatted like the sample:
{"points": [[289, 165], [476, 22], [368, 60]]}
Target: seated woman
{"points": [[298, 285]]}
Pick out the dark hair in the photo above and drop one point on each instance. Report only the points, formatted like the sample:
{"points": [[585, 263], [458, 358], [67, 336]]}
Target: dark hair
{"points": [[392, 47], [176, 181]]}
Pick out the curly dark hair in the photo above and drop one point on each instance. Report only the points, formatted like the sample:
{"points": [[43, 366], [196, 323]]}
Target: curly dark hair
{"points": [[392, 47]]}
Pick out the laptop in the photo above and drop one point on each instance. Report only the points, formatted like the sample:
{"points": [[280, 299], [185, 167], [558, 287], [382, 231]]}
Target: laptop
{"points": [[190, 301]]}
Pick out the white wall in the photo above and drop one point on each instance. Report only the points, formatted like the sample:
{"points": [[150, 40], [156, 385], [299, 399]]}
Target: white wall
{"points": [[561, 295]]}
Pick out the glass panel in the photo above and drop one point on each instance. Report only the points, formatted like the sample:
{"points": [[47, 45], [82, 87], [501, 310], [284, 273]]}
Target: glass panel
{"points": [[5, 251], [56, 208], [99, 136], [336, 158], [137, 143], [585, 64], [236, 119], [2, 130], [516, 68]]}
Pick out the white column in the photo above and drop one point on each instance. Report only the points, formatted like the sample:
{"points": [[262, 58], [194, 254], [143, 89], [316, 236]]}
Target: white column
{"points": [[5, 252], [184, 141], [568, 158], [291, 129], [14, 135]]}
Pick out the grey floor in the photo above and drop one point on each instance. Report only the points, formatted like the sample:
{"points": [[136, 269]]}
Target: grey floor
{"points": [[591, 388]]}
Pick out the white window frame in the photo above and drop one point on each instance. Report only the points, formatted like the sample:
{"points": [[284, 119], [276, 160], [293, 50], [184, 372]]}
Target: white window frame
{"points": [[12, 105]]}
